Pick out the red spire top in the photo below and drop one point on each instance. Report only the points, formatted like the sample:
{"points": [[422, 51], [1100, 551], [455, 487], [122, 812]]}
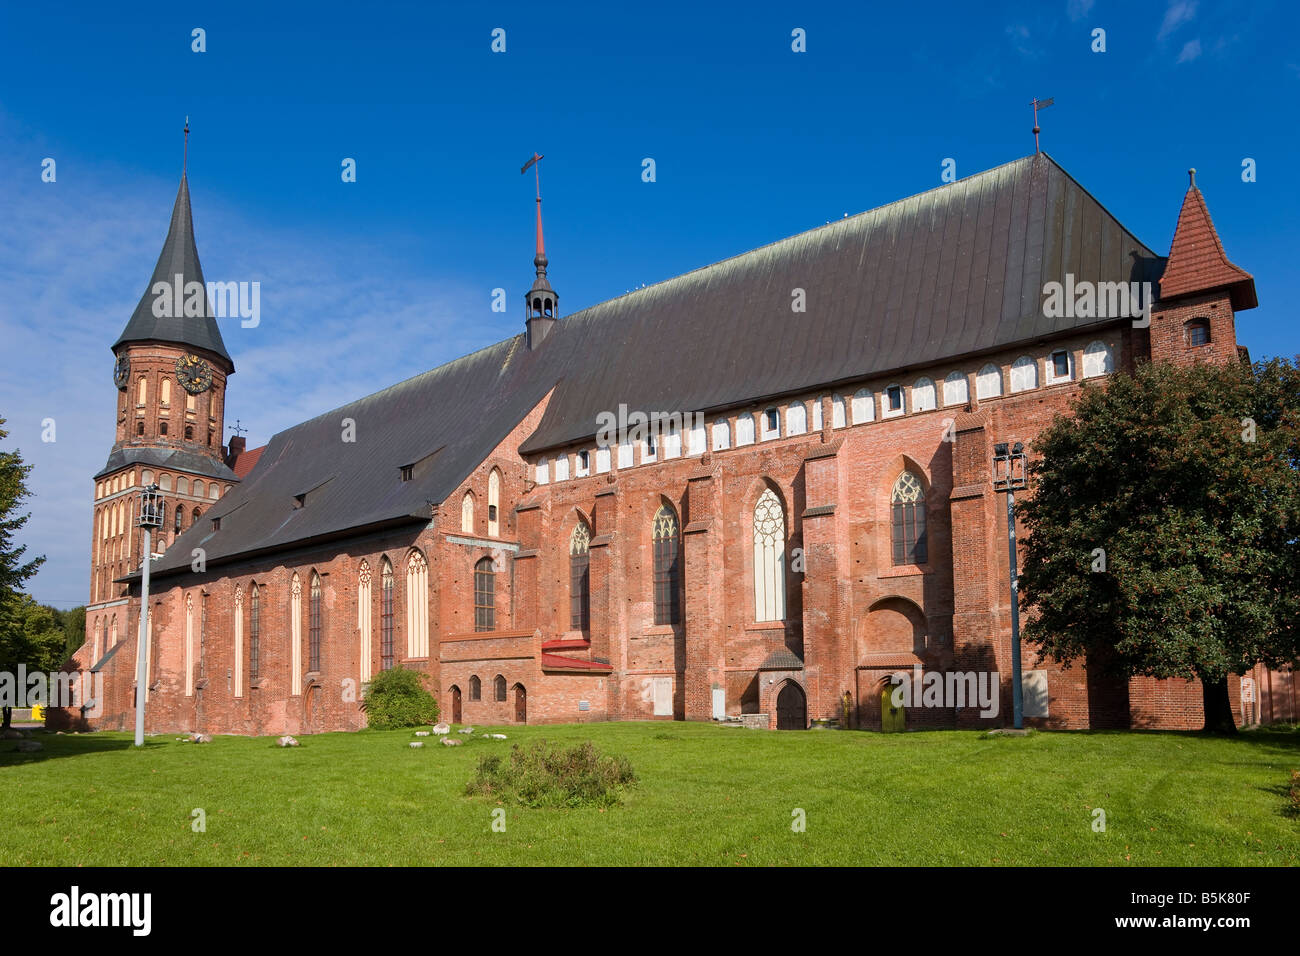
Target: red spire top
{"points": [[537, 174], [542, 302], [1197, 262]]}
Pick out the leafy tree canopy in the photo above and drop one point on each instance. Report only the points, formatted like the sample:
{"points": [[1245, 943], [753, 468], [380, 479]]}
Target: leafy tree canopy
{"points": [[1164, 525]]}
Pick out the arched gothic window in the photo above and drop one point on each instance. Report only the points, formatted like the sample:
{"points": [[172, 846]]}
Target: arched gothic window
{"points": [[668, 566], [386, 616], [254, 632], [769, 558], [475, 688], [314, 625], [363, 620], [499, 686], [295, 636], [954, 389], [494, 504], [417, 605], [1024, 374], [239, 641], [467, 513], [908, 505], [485, 598], [1097, 360], [580, 579], [988, 383]]}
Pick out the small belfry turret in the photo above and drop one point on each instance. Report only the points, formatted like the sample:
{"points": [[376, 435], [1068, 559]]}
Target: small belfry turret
{"points": [[541, 305]]}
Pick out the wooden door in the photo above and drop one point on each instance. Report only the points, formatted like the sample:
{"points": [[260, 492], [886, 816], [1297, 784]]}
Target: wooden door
{"points": [[455, 705], [791, 708], [521, 704], [892, 718]]}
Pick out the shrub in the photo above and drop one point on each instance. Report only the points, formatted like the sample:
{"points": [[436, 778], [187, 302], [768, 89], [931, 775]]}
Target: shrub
{"points": [[544, 775], [397, 698]]}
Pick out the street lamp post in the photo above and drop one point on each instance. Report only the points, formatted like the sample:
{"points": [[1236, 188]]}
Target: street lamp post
{"points": [[1009, 475], [151, 516]]}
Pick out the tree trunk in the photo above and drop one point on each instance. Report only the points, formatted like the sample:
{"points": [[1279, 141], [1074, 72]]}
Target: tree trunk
{"points": [[1218, 708], [8, 713]]}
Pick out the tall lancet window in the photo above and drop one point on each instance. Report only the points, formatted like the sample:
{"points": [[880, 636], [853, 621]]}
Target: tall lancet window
{"points": [[494, 504], [467, 513], [908, 505], [239, 641], [580, 579], [189, 645], [314, 625], [363, 619], [295, 636], [417, 605], [769, 558], [668, 567], [386, 616], [254, 632]]}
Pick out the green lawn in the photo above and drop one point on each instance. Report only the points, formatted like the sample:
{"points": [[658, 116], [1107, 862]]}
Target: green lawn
{"points": [[707, 795]]}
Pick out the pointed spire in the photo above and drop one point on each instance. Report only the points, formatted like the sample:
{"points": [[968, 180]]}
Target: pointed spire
{"points": [[177, 266], [1197, 262], [541, 305]]}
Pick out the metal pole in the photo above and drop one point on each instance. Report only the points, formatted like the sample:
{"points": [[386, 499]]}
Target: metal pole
{"points": [[1016, 693], [140, 670]]}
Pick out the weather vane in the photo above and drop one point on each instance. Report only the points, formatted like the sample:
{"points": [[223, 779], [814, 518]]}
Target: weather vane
{"points": [[1040, 105]]}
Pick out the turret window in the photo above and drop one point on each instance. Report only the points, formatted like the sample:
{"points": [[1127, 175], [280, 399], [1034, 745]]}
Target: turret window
{"points": [[1198, 332]]}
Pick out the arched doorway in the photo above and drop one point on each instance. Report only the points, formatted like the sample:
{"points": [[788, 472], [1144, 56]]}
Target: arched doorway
{"points": [[893, 717], [455, 705], [791, 708], [521, 704]]}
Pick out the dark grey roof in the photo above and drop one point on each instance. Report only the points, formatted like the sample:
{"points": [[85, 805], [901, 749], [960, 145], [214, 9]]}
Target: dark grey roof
{"points": [[99, 665], [188, 461], [954, 271], [179, 256]]}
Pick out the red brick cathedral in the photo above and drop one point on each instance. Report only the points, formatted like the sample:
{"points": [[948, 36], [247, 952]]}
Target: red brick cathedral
{"points": [[756, 492]]}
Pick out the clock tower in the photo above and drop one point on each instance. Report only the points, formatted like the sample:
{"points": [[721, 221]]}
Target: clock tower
{"points": [[170, 370]]}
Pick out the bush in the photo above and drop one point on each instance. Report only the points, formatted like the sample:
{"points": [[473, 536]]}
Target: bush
{"points": [[543, 775], [397, 698]]}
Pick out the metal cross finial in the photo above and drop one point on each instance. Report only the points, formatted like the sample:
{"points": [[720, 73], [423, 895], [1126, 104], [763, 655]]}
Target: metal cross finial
{"points": [[237, 428]]}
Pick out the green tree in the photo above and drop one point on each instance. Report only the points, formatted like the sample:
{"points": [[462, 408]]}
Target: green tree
{"points": [[1164, 524], [13, 569]]}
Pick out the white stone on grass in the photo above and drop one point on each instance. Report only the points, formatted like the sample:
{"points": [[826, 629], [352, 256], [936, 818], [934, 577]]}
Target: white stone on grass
{"points": [[286, 741]]}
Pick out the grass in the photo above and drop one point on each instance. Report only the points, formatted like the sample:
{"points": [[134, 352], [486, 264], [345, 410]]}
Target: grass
{"points": [[707, 795]]}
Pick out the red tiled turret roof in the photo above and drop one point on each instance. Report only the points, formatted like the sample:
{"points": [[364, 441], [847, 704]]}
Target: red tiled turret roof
{"points": [[1197, 262]]}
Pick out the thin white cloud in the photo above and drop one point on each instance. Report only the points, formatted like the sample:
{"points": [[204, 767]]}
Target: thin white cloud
{"points": [[1177, 13], [339, 319], [1191, 50], [1078, 9]]}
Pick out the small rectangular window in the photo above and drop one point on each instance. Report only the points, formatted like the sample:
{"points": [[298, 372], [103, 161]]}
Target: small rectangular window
{"points": [[1060, 364], [408, 472], [773, 419], [216, 524], [584, 460], [895, 393], [492, 512]]}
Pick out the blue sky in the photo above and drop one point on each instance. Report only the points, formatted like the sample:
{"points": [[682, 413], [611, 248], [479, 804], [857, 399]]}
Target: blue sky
{"points": [[367, 283]]}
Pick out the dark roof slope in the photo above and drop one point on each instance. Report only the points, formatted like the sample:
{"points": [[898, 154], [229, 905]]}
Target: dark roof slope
{"points": [[310, 484], [955, 270], [950, 272], [179, 256], [188, 461]]}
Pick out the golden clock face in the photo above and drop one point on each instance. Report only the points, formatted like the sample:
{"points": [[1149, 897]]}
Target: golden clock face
{"points": [[193, 374]]}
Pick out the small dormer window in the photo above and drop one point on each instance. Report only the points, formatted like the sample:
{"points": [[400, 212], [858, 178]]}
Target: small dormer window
{"points": [[299, 500], [216, 524], [408, 472]]}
